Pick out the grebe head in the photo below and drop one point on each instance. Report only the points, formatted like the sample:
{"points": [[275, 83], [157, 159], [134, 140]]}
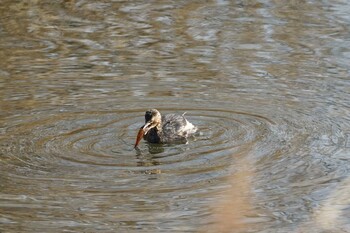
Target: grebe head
{"points": [[152, 119]]}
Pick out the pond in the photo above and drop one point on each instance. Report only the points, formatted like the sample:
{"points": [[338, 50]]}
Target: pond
{"points": [[267, 83]]}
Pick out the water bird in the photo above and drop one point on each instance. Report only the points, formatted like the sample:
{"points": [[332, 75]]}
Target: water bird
{"points": [[170, 128]]}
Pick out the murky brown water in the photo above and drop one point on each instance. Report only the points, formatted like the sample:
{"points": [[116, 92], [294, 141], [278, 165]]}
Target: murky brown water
{"points": [[266, 82]]}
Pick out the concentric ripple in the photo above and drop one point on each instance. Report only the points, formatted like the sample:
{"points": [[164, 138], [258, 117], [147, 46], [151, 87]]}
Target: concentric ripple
{"points": [[105, 140]]}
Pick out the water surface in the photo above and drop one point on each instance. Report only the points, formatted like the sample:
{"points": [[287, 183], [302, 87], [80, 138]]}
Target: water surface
{"points": [[266, 82]]}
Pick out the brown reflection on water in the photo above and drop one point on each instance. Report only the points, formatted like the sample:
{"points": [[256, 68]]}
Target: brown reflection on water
{"points": [[330, 215], [231, 212]]}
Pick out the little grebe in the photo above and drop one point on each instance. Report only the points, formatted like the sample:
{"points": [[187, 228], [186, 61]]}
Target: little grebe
{"points": [[164, 129]]}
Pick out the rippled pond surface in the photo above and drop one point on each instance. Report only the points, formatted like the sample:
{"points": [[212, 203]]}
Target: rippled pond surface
{"points": [[266, 82]]}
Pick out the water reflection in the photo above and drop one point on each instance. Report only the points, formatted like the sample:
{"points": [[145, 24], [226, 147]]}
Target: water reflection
{"points": [[266, 82], [331, 214], [232, 209]]}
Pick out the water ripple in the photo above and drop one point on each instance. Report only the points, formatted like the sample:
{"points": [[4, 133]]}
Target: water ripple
{"points": [[266, 83], [105, 139]]}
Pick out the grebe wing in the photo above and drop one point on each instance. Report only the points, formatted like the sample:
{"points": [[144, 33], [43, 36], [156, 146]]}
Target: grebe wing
{"points": [[177, 126], [172, 123]]}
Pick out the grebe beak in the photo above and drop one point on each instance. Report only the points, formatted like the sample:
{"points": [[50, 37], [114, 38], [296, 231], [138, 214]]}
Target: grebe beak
{"points": [[142, 131]]}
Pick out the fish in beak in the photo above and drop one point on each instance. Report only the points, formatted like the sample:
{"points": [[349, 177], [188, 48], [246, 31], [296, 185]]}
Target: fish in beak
{"points": [[142, 132]]}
